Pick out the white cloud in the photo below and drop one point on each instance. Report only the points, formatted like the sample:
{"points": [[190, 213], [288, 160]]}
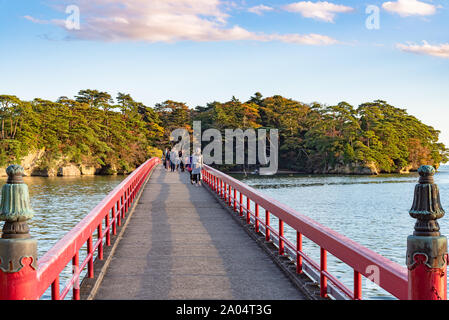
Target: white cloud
{"points": [[309, 39], [324, 11], [168, 21], [260, 9], [441, 50], [406, 8], [35, 20]]}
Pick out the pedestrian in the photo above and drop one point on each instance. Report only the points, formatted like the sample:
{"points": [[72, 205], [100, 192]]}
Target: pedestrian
{"points": [[167, 159], [181, 161], [197, 166], [188, 161], [173, 155]]}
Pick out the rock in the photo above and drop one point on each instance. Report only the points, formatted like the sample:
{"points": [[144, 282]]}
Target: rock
{"points": [[406, 169], [31, 161], [44, 172], [108, 170], [353, 168], [69, 170], [88, 170]]}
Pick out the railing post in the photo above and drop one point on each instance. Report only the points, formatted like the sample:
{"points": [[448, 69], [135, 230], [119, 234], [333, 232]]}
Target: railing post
{"points": [[298, 251], [267, 225], [323, 268], [281, 235], [241, 204], [248, 209], [426, 248], [357, 286], [256, 221], [235, 198], [221, 189], [18, 251]]}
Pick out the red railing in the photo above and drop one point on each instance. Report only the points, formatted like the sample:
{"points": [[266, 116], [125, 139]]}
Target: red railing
{"points": [[109, 212], [391, 276]]}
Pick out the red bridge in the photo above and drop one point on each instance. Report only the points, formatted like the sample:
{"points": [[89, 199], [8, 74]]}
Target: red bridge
{"points": [[155, 236]]}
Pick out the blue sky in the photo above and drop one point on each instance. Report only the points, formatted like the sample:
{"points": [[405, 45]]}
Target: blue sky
{"points": [[197, 51]]}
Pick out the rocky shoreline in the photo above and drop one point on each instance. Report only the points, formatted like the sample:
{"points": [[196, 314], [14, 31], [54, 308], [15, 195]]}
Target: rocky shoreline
{"points": [[368, 169], [60, 168]]}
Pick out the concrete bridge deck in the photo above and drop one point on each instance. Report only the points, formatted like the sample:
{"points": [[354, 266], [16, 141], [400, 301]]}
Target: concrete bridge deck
{"points": [[180, 243]]}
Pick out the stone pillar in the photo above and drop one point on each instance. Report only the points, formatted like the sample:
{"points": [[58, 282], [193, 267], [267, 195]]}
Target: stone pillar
{"points": [[427, 248], [18, 251]]}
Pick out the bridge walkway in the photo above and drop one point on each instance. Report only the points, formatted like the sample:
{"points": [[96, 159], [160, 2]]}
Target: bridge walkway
{"points": [[180, 243]]}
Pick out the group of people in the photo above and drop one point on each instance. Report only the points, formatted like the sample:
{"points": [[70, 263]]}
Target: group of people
{"points": [[175, 161]]}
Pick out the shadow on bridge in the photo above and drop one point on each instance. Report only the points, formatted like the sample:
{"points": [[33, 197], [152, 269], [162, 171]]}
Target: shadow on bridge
{"points": [[181, 244]]}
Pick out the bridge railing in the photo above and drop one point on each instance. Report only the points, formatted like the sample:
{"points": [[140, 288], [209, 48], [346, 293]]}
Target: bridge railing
{"points": [[109, 212], [241, 198]]}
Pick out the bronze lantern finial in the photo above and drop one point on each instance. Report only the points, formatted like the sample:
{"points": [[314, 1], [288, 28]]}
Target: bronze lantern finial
{"points": [[426, 206]]}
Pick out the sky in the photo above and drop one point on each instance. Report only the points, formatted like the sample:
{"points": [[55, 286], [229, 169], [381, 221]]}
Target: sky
{"points": [[198, 51]]}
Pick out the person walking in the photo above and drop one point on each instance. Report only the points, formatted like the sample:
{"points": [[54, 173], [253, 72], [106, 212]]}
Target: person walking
{"points": [[181, 161], [197, 166], [166, 159], [173, 155], [188, 162]]}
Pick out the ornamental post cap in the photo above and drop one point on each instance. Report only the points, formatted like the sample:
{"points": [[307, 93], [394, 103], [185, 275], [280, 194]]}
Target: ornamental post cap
{"points": [[15, 174], [426, 174], [426, 170], [15, 200], [426, 207]]}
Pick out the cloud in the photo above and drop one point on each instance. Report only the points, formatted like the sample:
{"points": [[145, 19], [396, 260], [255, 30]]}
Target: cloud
{"points": [[324, 11], [168, 21], [441, 50], [406, 8], [309, 39], [260, 9], [38, 21]]}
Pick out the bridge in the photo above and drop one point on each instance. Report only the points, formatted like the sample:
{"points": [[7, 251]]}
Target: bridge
{"points": [[156, 236]]}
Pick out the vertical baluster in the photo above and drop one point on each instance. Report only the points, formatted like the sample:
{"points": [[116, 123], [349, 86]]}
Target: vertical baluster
{"points": [[55, 289], [229, 195], [235, 200], [126, 202], [323, 278], [298, 250], [241, 204], [108, 233], [248, 209], [256, 222], [123, 205], [114, 220], [133, 192], [281, 235], [119, 213], [75, 265], [100, 238], [90, 264], [357, 285], [222, 189], [267, 224]]}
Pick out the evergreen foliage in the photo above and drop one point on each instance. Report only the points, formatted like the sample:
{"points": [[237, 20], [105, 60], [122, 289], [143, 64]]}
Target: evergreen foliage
{"points": [[92, 129]]}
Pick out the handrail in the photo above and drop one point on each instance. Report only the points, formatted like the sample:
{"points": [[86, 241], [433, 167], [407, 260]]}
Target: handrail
{"points": [[392, 277], [111, 210]]}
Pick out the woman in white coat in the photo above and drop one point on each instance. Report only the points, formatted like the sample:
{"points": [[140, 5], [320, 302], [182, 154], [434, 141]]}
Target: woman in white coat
{"points": [[197, 166]]}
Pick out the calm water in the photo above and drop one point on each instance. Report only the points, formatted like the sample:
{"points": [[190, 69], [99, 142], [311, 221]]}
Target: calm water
{"points": [[372, 210], [59, 204]]}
